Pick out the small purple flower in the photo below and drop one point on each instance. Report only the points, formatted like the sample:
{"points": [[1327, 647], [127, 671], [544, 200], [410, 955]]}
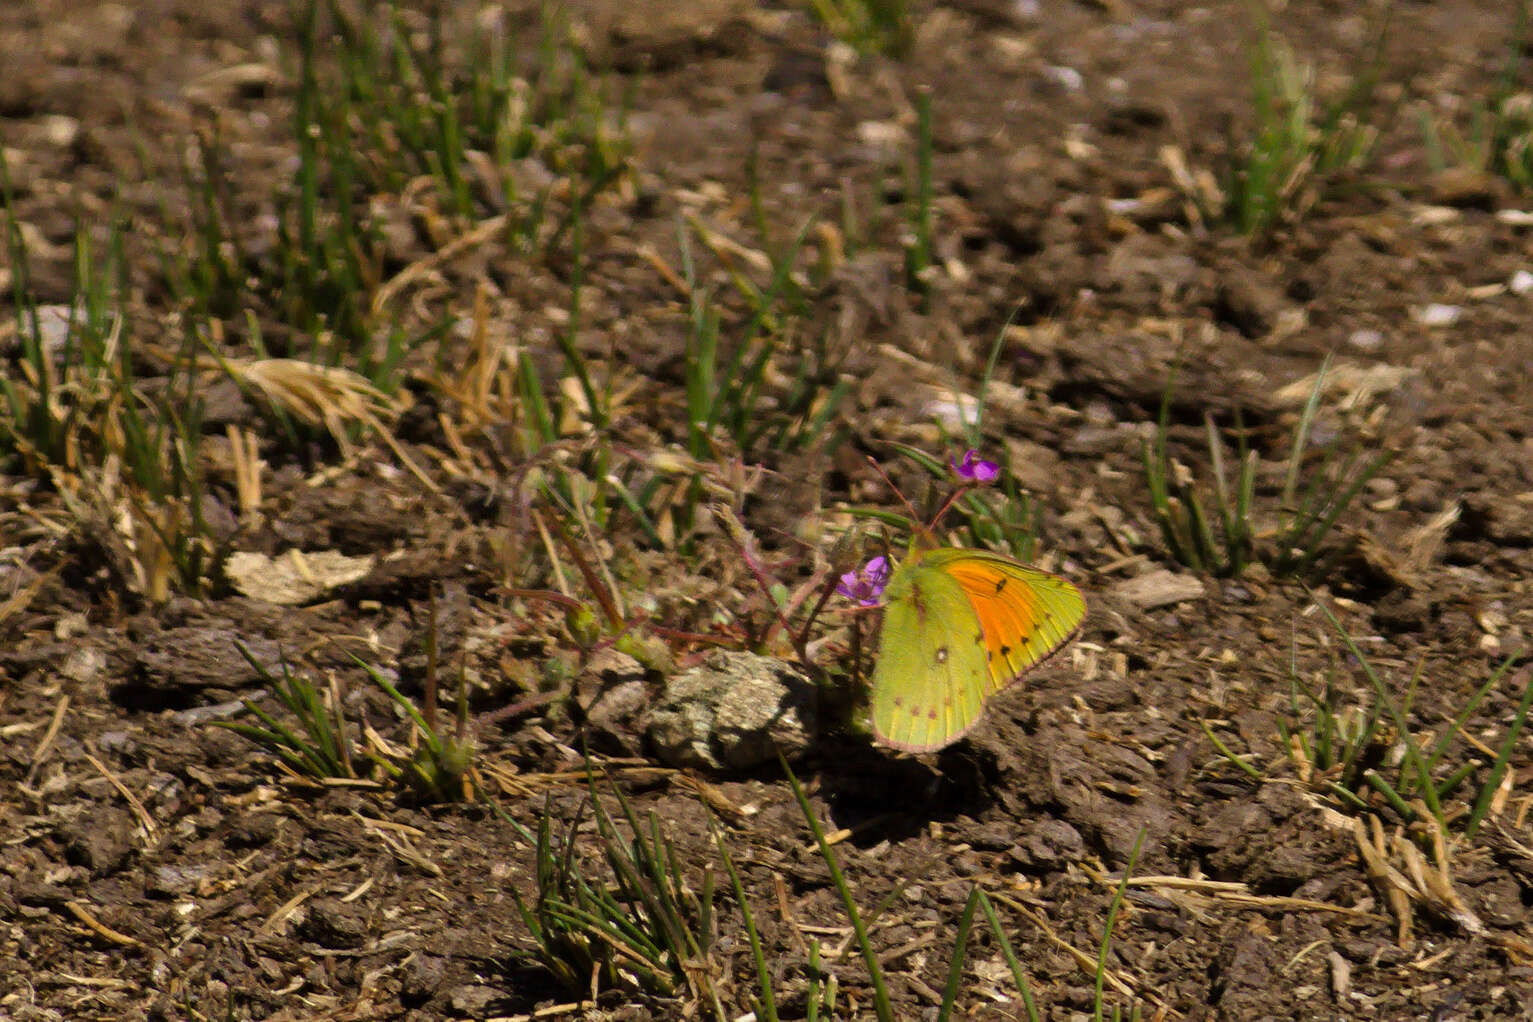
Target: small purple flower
{"points": [[866, 584], [975, 469]]}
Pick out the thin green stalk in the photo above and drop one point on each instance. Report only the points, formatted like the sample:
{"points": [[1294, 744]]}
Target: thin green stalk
{"points": [[1503, 758], [767, 1005], [1112, 918], [1412, 750], [881, 1003], [1012, 961], [1245, 768], [960, 948], [1442, 743]]}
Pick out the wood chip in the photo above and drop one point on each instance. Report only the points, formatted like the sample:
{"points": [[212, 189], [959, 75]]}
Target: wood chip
{"points": [[1159, 589]]}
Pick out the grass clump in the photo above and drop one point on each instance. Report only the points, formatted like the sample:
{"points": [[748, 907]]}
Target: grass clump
{"points": [[320, 744], [122, 452], [870, 26], [1499, 137], [1376, 749], [757, 395], [395, 119], [1370, 758], [1299, 145], [648, 930], [1224, 541], [977, 902]]}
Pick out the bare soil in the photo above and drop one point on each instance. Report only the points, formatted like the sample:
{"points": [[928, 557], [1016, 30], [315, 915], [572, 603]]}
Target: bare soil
{"points": [[155, 867]]}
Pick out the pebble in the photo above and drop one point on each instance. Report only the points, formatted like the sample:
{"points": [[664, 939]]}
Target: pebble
{"points": [[1438, 314], [1366, 340], [1066, 78]]}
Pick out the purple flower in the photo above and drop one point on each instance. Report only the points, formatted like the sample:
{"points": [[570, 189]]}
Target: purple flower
{"points": [[974, 469], [866, 584]]}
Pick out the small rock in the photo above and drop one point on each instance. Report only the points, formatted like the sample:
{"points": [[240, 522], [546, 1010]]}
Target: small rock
{"points": [[657, 37], [1066, 78], [1051, 845], [1249, 304], [331, 923], [294, 578], [1437, 314], [736, 711], [101, 841], [1093, 441], [213, 711], [473, 999], [170, 880], [1504, 520], [41, 894], [59, 130], [70, 626], [1465, 187], [83, 664], [52, 324], [118, 743], [223, 403], [421, 978], [612, 694], [1366, 340], [991, 837], [250, 830], [197, 657], [1521, 283]]}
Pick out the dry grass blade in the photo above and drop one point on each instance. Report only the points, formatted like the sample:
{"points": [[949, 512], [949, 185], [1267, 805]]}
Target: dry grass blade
{"points": [[245, 454], [1230, 894], [326, 396], [46, 742], [145, 821], [1398, 890], [317, 394], [481, 234], [105, 932], [17, 603], [1087, 961]]}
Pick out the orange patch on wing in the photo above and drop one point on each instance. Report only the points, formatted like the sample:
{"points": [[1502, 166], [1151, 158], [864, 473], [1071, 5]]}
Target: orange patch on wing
{"points": [[1010, 616]]}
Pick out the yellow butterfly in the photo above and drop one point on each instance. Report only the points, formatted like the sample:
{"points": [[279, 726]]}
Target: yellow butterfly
{"points": [[959, 626]]}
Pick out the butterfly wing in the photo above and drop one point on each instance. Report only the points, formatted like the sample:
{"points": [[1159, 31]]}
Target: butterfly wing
{"points": [[1025, 614], [959, 626], [932, 675]]}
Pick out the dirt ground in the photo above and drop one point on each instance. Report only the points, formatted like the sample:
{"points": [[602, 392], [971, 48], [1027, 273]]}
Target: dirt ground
{"points": [[156, 867]]}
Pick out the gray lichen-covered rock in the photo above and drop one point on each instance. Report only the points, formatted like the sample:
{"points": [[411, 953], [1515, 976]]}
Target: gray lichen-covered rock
{"points": [[735, 711]]}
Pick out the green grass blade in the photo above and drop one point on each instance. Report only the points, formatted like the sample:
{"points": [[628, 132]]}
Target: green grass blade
{"points": [[1442, 743], [1503, 757], [881, 1003], [1296, 454], [1015, 964], [1396, 802], [1112, 918], [960, 947], [766, 1006], [1412, 749], [1245, 768]]}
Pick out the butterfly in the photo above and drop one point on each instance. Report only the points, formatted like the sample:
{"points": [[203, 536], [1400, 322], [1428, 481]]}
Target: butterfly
{"points": [[959, 626]]}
